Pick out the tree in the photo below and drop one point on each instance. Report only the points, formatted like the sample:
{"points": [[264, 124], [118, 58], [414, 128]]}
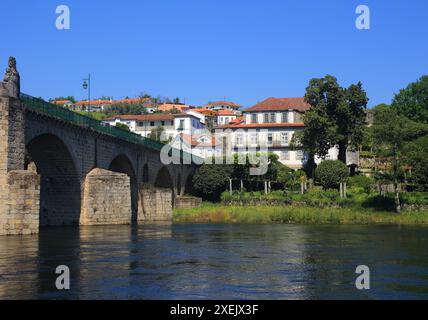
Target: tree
{"points": [[330, 173], [336, 117], [211, 180], [391, 132], [157, 134], [412, 101], [416, 153], [69, 98], [122, 126]]}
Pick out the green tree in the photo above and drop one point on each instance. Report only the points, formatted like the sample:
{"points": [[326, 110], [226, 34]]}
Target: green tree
{"points": [[122, 126], [336, 117], [157, 134], [416, 153], [69, 98], [391, 132], [330, 173], [211, 180], [412, 101]]}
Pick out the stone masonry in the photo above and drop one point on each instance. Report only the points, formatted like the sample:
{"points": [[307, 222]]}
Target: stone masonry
{"points": [[61, 186], [155, 205], [19, 189], [106, 198], [184, 202]]}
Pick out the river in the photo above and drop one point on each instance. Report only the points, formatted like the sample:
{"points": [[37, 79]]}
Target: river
{"points": [[187, 261]]}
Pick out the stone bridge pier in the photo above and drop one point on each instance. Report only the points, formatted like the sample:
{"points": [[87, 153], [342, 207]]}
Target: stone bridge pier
{"points": [[59, 168]]}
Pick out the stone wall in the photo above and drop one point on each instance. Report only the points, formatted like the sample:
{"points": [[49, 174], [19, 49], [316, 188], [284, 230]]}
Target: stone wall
{"points": [[20, 211], [106, 198], [187, 202], [19, 189], [155, 205]]}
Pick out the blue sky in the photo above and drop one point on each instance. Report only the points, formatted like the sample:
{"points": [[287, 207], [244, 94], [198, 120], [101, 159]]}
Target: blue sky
{"points": [[205, 50]]}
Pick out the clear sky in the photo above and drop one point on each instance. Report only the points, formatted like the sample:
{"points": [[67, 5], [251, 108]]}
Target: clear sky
{"points": [[206, 50]]}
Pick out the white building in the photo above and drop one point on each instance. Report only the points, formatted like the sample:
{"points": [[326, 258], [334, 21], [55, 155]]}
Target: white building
{"points": [[224, 117], [269, 125], [173, 124], [222, 105], [203, 144]]}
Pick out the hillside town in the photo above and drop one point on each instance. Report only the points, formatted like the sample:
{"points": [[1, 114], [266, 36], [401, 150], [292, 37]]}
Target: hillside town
{"points": [[212, 129]]}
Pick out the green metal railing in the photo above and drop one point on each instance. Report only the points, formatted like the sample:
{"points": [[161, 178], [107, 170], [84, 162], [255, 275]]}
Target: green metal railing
{"points": [[40, 106]]}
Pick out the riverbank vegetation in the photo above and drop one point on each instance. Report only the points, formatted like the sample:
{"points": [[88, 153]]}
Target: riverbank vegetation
{"points": [[389, 173], [215, 213]]}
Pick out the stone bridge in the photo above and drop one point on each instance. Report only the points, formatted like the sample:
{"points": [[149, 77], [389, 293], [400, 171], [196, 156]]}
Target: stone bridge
{"points": [[61, 168]]}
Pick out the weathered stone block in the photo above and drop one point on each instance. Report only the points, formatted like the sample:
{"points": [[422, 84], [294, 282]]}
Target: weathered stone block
{"points": [[106, 198]]}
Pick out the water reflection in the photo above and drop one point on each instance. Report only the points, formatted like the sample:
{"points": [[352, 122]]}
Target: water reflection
{"points": [[216, 262]]}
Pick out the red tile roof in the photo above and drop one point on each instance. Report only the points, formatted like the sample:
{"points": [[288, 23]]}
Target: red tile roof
{"points": [[224, 103], [193, 140], [60, 102], [225, 113], [205, 111], [93, 102], [278, 104], [131, 100]]}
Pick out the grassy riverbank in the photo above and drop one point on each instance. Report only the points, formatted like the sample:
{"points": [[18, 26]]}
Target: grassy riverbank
{"points": [[213, 213]]}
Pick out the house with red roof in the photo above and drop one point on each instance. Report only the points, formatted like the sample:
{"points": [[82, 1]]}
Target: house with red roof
{"points": [[269, 124], [173, 124]]}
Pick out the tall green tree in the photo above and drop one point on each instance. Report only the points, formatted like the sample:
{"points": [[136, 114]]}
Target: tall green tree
{"points": [[391, 133], [412, 101], [336, 118]]}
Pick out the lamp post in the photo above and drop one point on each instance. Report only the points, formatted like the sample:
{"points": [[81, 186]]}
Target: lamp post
{"points": [[87, 86]]}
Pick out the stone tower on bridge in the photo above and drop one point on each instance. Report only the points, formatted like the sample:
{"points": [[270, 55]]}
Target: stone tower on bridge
{"points": [[60, 168]]}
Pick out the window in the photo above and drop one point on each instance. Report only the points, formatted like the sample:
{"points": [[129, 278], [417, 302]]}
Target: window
{"points": [[272, 118], [284, 117], [299, 155], [284, 138], [270, 139], [239, 139], [181, 126], [152, 124], [285, 155], [254, 118], [266, 117], [254, 139], [163, 123]]}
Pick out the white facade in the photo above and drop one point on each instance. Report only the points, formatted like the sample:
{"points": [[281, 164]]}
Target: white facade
{"points": [[172, 124]]}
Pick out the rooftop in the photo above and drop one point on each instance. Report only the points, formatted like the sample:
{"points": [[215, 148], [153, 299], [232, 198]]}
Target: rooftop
{"points": [[279, 104]]}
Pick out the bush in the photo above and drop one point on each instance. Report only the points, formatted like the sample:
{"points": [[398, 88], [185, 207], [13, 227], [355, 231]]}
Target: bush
{"points": [[362, 182], [211, 180], [329, 174]]}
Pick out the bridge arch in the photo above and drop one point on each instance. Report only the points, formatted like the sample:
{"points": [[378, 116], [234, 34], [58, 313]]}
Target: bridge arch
{"points": [[122, 164], [164, 179], [60, 189], [188, 185], [146, 177]]}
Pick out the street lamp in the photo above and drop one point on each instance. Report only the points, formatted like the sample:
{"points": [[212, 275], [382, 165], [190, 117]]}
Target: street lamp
{"points": [[87, 86]]}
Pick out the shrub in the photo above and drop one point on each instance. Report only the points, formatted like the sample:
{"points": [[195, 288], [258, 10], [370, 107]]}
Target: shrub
{"points": [[329, 174], [211, 180], [362, 182]]}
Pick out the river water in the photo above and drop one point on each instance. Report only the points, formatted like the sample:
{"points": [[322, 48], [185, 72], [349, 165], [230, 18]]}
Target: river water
{"points": [[188, 261]]}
